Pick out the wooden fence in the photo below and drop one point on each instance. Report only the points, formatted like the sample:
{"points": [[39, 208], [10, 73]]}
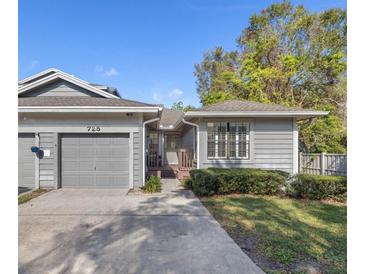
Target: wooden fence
{"points": [[323, 163]]}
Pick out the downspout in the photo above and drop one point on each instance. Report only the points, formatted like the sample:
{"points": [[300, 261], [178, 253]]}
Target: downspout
{"points": [[197, 139], [144, 146]]}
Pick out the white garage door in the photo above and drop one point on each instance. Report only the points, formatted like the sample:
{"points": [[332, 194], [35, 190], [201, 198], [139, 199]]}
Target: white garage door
{"points": [[95, 160]]}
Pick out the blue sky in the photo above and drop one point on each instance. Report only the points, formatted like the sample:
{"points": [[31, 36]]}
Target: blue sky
{"points": [[146, 49]]}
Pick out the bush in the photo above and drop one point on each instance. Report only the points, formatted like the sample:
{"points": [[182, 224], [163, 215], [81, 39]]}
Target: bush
{"points": [[153, 184], [212, 181], [318, 187], [187, 183]]}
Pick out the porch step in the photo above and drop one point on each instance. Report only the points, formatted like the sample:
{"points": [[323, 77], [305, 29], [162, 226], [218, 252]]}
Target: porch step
{"points": [[168, 173], [183, 174]]}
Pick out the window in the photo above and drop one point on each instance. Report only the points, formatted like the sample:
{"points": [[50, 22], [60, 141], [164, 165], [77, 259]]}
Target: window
{"points": [[228, 140]]}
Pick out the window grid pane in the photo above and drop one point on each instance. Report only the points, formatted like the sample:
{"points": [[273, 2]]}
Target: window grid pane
{"points": [[228, 140], [211, 144]]}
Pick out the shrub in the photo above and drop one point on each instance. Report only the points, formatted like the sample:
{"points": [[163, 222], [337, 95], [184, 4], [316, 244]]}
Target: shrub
{"points": [[203, 183], [236, 180], [153, 184], [318, 187], [187, 183]]}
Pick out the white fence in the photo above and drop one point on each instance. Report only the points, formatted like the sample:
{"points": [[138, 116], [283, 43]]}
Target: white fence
{"points": [[323, 163]]}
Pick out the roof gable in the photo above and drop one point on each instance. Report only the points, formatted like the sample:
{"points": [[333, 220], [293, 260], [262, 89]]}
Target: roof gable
{"points": [[170, 118], [60, 88], [49, 76]]}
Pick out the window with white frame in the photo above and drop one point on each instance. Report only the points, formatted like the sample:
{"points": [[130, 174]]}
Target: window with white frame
{"points": [[228, 140]]}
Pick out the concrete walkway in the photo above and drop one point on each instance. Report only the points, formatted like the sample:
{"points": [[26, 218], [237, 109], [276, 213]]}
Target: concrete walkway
{"points": [[108, 231]]}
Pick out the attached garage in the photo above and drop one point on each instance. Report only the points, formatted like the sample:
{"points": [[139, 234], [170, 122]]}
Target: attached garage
{"points": [[26, 161], [95, 160]]}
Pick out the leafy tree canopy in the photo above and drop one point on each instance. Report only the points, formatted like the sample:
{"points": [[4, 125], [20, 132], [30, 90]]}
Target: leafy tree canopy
{"points": [[179, 105], [291, 56]]}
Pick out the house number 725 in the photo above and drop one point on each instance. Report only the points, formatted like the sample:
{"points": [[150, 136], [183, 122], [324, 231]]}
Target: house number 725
{"points": [[93, 128]]}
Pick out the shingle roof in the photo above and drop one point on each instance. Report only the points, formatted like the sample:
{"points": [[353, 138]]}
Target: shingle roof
{"points": [[170, 117], [44, 101], [237, 105]]}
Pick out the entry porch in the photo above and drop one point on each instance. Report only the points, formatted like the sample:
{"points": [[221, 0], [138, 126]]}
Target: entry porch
{"points": [[171, 154]]}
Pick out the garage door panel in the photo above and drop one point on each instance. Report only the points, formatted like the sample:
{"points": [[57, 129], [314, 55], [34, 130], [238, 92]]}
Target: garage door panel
{"points": [[103, 157], [121, 141], [112, 166], [104, 153], [86, 166], [103, 141], [86, 152], [71, 166], [69, 153], [86, 180], [69, 141], [85, 141]]}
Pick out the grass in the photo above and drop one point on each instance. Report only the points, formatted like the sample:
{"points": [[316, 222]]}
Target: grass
{"points": [[285, 235], [31, 195]]}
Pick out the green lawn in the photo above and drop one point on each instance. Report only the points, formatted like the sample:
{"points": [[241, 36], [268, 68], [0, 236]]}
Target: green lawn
{"points": [[285, 235], [31, 195]]}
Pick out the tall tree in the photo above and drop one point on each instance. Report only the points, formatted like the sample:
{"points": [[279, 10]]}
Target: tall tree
{"points": [[287, 55], [179, 105]]}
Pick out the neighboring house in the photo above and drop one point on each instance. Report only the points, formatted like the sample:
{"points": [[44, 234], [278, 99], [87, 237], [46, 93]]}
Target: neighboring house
{"points": [[90, 137]]}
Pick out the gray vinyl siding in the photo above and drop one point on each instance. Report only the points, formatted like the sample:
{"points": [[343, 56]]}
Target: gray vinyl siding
{"points": [[60, 88], [271, 145], [26, 160], [137, 159], [47, 164]]}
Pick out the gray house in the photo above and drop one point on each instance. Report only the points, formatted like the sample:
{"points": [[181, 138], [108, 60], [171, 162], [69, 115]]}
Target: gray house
{"points": [[73, 133]]}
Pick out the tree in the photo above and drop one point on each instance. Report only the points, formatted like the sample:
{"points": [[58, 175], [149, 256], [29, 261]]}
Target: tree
{"points": [[287, 55], [179, 105]]}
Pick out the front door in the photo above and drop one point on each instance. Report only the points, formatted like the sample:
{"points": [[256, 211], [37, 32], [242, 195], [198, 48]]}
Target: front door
{"points": [[172, 144]]}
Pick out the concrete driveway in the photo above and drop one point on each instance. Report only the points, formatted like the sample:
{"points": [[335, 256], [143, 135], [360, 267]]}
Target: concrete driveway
{"points": [[106, 231]]}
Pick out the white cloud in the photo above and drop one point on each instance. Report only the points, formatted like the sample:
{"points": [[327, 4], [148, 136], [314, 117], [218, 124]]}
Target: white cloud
{"points": [[157, 97], [111, 72], [99, 68], [175, 93], [106, 72]]}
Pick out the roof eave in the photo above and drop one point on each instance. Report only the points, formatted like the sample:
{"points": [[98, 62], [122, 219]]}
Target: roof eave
{"points": [[297, 114], [88, 109], [30, 78]]}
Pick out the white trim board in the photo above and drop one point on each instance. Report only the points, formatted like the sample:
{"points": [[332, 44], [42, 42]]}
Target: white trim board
{"points": [[40, 74]]}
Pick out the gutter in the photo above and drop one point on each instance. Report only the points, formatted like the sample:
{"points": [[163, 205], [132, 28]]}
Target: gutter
{"points": [[144, 147], [197, 139]]}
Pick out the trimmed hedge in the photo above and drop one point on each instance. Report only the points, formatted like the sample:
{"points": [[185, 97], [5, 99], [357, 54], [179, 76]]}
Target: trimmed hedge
{"points": [[212, 181], [318, 187]]}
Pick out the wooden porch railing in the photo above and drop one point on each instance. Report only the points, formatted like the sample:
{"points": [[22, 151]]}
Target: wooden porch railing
{"points": [[185, 158], [153, 161]]}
